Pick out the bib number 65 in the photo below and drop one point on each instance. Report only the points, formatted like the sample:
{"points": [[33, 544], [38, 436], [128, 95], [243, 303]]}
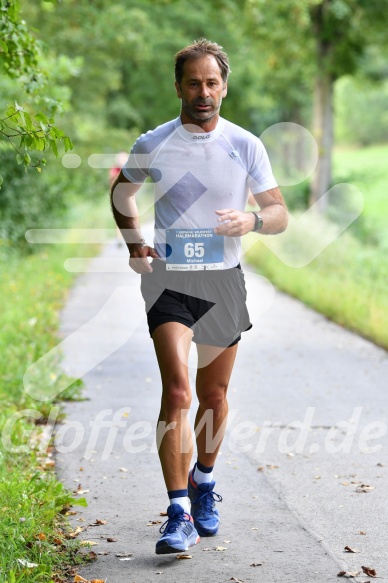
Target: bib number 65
{"points": [[194, 249]]}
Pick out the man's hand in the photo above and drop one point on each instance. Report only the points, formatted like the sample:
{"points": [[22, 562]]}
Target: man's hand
{"points": [[273, 211], [138, 257], [239, 222]]}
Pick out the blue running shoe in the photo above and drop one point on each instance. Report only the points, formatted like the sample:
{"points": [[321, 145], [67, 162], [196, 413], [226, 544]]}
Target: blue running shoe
{"points": [[178, 532], [203, 507]]}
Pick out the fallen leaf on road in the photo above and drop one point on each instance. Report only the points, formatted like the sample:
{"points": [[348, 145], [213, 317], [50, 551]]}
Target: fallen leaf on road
{"points": [[123, 470], [91, 556], [261, 469], [184, 557], [159, 573], [85, 543], [79, 579], [98, 522], [350, 550], [220, 548], [364, 488], [111, 540], [348, 574], [49, 464], [152, 522], [345, 483], [123, 555], [163, 514], [272, 467], [361, 532], [237, 580], [255, 564], [79, 491], [380, 465], [75, 532], [227, 541], [255, 528], [369, 571]]}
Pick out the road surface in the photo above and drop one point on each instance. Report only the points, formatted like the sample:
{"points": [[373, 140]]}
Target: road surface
{"points": [[303, 467]]}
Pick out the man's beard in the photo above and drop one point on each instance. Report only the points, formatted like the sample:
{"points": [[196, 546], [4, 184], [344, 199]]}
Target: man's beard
{"points": [[189, 109]]}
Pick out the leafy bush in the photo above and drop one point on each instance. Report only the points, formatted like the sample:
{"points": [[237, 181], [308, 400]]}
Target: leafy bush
{"points": [[27, 201]]}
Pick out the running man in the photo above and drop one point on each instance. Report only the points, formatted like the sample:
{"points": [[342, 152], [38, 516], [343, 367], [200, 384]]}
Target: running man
{"points": [[203, 168]]}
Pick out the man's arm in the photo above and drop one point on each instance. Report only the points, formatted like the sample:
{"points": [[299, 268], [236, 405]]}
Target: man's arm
{"points": [[273, 211], [126, 215]]}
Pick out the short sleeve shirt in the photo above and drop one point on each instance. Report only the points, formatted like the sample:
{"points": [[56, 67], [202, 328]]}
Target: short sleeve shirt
{"points": [[195, 174]]}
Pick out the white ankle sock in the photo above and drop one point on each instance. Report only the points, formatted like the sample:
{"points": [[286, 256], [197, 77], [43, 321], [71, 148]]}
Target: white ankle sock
{"points": [[202, 477], [183, 501]]}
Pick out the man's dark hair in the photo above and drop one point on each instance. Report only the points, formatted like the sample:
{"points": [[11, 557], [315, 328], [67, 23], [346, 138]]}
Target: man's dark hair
{"points": [[198, 49]]}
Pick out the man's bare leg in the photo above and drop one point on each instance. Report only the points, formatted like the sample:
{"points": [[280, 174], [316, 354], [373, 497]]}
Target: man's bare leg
{"points": [[175, 444], [212, 385], [210, 424]]}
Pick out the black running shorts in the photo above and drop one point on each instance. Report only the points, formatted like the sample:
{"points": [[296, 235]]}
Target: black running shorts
{"points": [[212, 303]]}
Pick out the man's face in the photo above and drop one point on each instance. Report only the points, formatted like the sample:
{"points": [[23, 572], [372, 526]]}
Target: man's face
{"points": [[201, 89]]}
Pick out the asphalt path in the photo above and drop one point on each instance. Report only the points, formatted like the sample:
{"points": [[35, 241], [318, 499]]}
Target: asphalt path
{"points": [[302, 469]]}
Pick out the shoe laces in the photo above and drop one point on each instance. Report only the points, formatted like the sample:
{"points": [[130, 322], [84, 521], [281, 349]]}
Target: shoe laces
{"points": [[207, 499], [173, 522]]}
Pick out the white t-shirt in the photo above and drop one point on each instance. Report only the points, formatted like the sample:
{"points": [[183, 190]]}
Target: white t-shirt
{"points": [[195, 174]]}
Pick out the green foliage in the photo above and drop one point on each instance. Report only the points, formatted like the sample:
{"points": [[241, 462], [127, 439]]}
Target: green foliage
{"points": [[361, 106], [347, 282], [27, 201], [366, 168], [21, 57], [33, 525], [32, 529], [34, 132], [134, 89]]}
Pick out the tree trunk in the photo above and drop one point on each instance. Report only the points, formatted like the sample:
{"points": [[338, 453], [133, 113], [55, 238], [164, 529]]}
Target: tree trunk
{"points": [[323, 106], [323, 133]]}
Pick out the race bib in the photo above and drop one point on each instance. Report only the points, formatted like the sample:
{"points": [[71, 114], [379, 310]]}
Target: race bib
{"points": [[194, 249]]}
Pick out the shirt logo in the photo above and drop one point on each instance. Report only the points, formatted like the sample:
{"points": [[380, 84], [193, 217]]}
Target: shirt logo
{"points": [[201, 137]]}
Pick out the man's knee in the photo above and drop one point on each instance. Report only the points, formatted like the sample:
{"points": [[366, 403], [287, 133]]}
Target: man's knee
{"points": [[214, 400], [176, 396]]}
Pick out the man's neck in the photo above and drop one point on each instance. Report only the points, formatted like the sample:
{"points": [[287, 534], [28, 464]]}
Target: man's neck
{"points": [[195, 125]]}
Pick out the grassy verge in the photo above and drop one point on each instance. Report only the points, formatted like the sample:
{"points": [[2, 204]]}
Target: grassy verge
{"points": [[347, 282], [35, 543]]}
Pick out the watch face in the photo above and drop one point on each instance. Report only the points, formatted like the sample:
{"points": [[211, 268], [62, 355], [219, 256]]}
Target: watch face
{"points": [[258, 223]]}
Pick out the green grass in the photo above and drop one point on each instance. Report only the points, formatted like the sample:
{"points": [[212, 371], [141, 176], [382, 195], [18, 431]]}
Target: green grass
{"points": [[33, 503], [35, 542], [367, 169], [348, 281]]}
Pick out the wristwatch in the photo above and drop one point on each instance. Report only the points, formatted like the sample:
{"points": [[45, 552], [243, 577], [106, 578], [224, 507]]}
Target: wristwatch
{"points": [[258, 223]]}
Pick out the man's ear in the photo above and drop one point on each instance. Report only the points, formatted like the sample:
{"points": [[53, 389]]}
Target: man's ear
{"points": [[178, 89], [225, 90]]}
